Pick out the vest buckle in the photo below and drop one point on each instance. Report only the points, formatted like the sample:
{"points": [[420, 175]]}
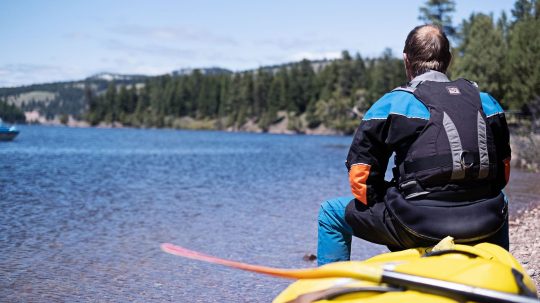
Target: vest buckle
{"points": [[466, 159]]}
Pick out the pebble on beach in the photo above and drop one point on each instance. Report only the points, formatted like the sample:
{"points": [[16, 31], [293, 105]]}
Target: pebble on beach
{"points": [[525, 242]]}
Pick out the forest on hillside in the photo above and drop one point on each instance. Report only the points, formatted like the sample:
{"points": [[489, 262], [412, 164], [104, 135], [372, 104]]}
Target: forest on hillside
{"points": [[502, 55], [11, 113], [56, 99], [327, 96]]}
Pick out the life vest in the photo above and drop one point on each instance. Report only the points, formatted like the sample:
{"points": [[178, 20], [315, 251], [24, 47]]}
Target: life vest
{"points": [[445, 180], [455, 152]]}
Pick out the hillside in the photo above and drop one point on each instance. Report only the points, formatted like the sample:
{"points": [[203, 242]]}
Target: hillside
{"points": [[51, 100]]}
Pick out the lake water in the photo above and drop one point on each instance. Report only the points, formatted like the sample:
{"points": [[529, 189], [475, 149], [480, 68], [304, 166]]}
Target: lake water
{"points": [[83, 212]]}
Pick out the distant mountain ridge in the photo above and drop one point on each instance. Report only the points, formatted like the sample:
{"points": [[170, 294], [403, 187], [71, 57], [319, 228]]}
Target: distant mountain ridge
{"points": [[203, 71], [115, 77]]}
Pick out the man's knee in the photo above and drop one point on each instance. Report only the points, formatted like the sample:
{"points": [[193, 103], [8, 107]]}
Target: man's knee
{"points": [[332, 215], [325, 209], [333, 207]]}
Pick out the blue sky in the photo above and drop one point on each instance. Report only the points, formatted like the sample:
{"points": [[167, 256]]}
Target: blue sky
{"points": [[45, 41]]}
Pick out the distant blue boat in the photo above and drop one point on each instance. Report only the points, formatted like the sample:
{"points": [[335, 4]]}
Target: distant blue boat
{"points": [[7, 133]]}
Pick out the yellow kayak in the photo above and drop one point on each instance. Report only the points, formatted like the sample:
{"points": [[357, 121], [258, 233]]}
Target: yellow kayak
{"points": [[459, 273]]}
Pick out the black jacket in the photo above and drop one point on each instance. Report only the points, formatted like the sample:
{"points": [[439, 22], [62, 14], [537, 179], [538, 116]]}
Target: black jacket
{"points": [[393, 123]]}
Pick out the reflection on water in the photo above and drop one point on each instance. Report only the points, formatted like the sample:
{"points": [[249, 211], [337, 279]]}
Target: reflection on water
{"points": [[84, 211]]}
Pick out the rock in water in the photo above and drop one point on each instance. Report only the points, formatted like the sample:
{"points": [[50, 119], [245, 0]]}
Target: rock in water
{"points": [[309, 257]]}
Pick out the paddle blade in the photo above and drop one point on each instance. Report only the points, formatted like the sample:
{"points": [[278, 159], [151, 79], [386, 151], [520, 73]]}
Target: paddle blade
{"points": [[349, 269]]}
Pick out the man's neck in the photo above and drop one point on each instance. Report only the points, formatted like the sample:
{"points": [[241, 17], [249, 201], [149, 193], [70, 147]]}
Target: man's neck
{"points": [[431, 75]]}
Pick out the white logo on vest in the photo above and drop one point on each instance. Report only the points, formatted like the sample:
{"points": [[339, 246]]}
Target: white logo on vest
{"points": [[453, 90]]}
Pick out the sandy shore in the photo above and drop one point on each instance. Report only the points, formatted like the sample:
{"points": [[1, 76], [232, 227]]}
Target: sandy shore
{"points": [[525, 240]]}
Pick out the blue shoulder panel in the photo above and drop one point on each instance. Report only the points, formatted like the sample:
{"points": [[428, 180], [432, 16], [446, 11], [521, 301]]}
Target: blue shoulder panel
{"points": [[490, 105], [398, 103]]}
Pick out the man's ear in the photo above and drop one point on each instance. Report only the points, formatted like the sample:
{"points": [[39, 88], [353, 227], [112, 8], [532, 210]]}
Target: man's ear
{"points": [[407, 67]]}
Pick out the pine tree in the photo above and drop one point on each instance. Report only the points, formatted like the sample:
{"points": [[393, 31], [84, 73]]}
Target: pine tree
{"points": [[93, 107], [169, 93], [328, 80], [523, 59], [386, 73], [482, 51], [359, 72], [345, 75], [276, 96], [123, 100], [11, 113], [142, 108], [130, 107], [111, 108], [261, 89], [523, 9], [224, 104], [439, 12]]}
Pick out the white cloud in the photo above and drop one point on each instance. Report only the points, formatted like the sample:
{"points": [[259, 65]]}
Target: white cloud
{"points": [[310, 55], [25, 74], [77, 35], [173, 34], [149, 49], [301, 42]]}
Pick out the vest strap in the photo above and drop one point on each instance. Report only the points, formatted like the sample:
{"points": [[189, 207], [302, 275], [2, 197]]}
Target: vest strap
{"points": [[413, 190], [468, 159]]}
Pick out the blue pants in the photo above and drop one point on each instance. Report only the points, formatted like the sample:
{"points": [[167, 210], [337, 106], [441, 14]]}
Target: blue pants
{"points": [[335, 235], [374, 224]]}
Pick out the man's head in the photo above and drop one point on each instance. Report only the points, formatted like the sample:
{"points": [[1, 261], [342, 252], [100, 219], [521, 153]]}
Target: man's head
{"points": [[426, 48]]}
